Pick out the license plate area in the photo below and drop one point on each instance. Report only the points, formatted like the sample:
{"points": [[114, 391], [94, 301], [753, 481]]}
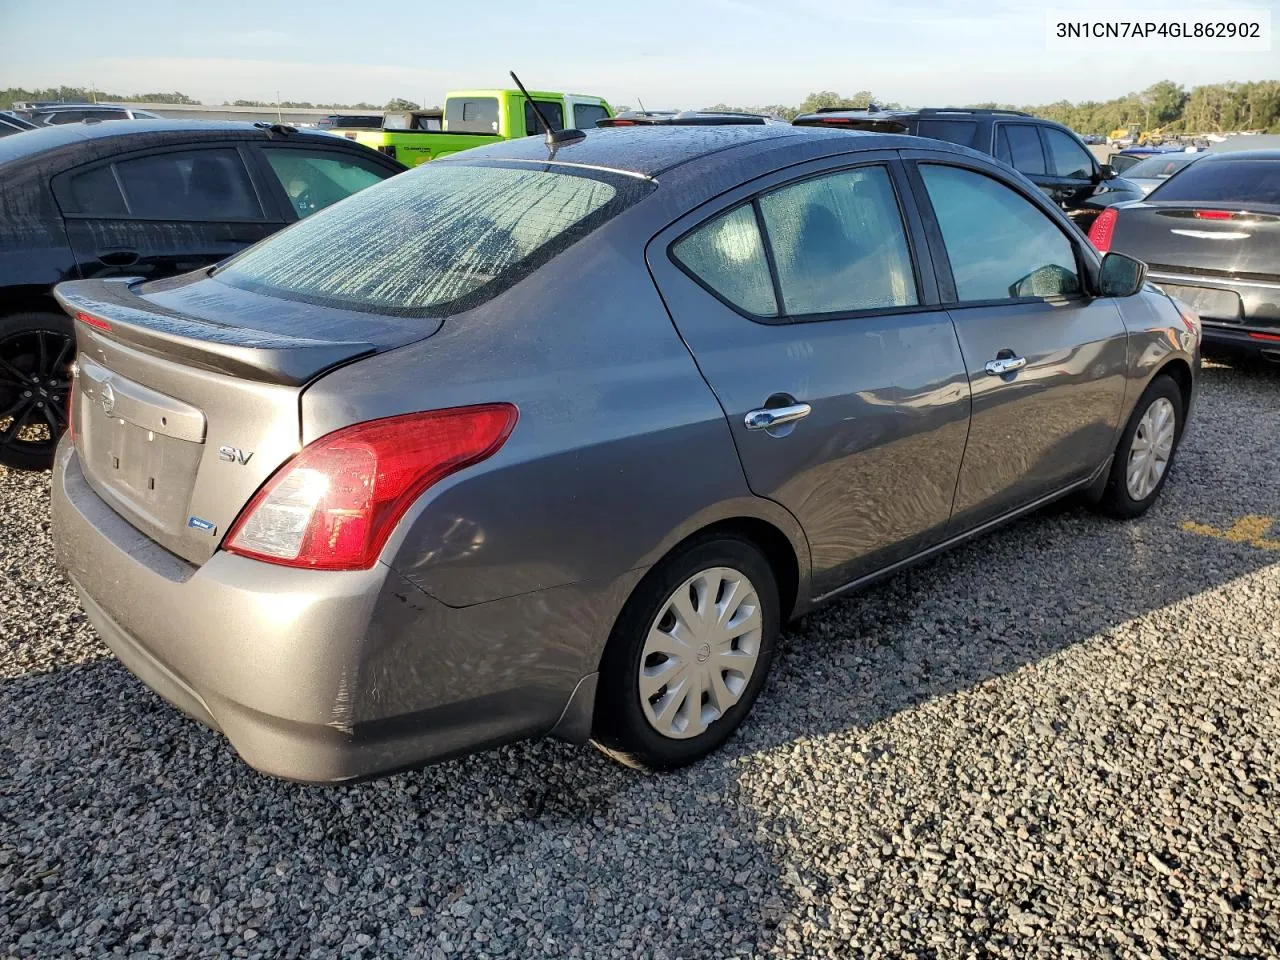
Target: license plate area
{"points": [[151, 471], [1210, 302], [139, 448]]}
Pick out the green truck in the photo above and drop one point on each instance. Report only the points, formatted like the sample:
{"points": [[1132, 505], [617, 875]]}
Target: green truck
{"points": [[472, 118]]}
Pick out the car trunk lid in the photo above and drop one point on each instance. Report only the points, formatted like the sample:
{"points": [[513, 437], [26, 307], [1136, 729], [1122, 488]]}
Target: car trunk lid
{"points": [[1208, 238], [179, 418]]}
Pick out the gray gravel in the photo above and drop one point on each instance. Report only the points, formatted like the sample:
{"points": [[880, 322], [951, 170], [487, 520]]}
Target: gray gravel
{"points": [[1060, 741]]}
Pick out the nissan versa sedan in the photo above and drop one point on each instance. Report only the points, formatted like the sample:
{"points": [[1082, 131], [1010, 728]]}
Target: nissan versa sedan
{"points": [[554, 441]]}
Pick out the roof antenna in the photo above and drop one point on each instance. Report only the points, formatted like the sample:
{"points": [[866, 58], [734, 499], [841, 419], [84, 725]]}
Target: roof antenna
{"points": [[641, 102], [555, 138]]}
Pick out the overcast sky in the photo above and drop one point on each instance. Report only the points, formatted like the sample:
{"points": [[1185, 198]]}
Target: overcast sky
{"points": [[668, 53]]}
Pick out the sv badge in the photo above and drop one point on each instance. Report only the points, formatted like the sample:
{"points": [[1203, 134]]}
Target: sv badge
{"points": [[234, 455]]}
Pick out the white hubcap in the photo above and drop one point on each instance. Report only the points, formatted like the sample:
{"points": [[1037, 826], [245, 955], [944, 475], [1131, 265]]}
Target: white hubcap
{"points": [[1151, 448], [700, 652]]}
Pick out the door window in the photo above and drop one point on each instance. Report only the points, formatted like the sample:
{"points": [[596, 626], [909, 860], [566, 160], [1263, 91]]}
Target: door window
{"points": [[1067, 158], [1018, 144], [726, 255], [94, 193], [839, 243], [585, 115], [553, 112], [1000, 245], [196, 185], [314, 179]]}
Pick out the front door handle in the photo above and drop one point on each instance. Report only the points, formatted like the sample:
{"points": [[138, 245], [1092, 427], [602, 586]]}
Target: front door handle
{"points": [[999, 367], [768, 417]]}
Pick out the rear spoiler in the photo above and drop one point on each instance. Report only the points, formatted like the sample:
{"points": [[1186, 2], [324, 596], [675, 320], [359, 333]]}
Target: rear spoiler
{"points": [[111, 307]]}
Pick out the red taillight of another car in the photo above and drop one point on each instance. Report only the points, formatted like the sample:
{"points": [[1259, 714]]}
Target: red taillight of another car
{"points": [[333, 506], [1102, 230]]}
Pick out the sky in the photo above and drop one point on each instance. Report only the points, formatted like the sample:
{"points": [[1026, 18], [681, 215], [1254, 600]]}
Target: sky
{"points": [[665, 53]]}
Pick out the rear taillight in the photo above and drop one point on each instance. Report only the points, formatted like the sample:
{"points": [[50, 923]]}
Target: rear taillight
{"points": [[1103, 228], [333, 506], [1213, 214]]}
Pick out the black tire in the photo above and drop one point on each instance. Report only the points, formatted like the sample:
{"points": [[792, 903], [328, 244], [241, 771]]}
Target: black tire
{"points": [[620, 727], [1116, 499], [33, 415]]}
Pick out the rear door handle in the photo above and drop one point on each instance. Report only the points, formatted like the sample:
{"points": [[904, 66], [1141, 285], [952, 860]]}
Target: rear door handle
{"points": [[768, 417], [1003, 365], [119, 258]]}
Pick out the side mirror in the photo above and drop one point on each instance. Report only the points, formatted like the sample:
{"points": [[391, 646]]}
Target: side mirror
{"points": [[1107, 172], [1120, 276]]}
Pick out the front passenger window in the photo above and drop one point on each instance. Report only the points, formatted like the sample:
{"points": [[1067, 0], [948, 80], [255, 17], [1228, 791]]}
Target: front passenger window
{"points": [[1001, 246]]}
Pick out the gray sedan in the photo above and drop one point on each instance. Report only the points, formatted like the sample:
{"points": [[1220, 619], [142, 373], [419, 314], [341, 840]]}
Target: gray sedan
{"points": [[554, 441]]}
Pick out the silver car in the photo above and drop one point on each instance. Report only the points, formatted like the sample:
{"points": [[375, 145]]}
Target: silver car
{"points": [[533, 441]]}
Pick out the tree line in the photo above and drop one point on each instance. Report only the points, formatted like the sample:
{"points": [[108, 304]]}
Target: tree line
{"points": [[12, 95], [1212, 108], [1167, 106]]}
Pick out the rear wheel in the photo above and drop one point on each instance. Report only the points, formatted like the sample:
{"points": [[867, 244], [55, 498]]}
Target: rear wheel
{"points": [[1145, 452], [688, 655], [36, 352]]}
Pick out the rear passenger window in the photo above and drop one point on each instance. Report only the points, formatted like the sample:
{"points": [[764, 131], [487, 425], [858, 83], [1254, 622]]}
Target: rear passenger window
{"points": [[94, 193], [839, 244], [727, 256], [473, 115], [1018, 144], [1000, 245], [189, 185]]}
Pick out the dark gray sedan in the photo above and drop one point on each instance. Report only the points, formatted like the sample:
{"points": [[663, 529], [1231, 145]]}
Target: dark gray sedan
{"points": [[526, 443]]}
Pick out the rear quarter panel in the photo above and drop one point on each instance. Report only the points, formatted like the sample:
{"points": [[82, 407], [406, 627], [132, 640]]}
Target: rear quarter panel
{"points": [[619, 452]]}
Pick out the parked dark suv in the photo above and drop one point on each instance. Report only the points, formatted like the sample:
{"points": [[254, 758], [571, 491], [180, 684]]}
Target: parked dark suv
{"points": [[136, 198], [1047, 153]]}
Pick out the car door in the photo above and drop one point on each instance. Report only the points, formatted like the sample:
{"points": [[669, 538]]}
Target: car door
{"points": [[162, 212], [308, 177], [1047, 361], [1073, 176], [809, 304]]}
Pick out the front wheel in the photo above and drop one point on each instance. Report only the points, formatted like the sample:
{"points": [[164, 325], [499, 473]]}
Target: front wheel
{"points": [[1145, 452], [688, 655]]}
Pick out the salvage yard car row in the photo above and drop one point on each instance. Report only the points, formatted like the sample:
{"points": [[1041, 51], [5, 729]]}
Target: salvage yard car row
{"points": [[309, 418]]}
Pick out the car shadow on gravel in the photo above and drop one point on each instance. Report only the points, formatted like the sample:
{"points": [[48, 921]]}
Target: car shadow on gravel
{"points": [[127, 826]]}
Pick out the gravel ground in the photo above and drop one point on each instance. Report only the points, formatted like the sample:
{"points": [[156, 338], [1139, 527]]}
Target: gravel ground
{"points": [[1061, 740]]}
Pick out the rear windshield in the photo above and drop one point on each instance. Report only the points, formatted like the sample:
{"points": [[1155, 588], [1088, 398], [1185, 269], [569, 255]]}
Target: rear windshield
{"points": [[1226, 181], [1159, 167], [435, 241]]}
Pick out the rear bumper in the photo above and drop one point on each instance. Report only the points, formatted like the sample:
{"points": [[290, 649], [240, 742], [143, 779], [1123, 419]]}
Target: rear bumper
{"points": [[1254, 329], [315, 676]]}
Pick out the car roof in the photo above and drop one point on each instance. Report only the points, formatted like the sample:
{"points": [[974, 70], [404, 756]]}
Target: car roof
{"points": [[45, 140], [652, 150], [1241, 155]]}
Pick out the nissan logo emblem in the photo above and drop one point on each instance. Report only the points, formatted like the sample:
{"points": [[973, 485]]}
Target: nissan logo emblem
{"points": [[108, 399]]}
